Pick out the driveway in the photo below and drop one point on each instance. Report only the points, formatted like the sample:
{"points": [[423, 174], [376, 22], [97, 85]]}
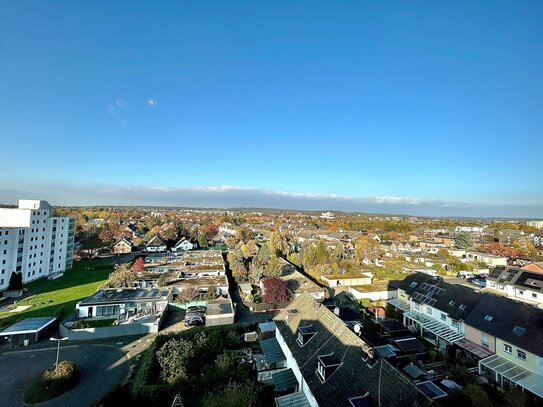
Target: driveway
{"points": [[102, 367]]}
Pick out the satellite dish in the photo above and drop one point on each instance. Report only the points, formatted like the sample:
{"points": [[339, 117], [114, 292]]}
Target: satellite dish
{"points": [[357, 328]]}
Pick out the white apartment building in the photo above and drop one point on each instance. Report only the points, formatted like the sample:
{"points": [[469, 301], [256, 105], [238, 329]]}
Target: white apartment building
{"points": [[535, 224], [33, 242]]}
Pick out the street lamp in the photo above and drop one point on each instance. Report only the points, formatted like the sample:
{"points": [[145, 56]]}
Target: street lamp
{"points": [[58, 347]]}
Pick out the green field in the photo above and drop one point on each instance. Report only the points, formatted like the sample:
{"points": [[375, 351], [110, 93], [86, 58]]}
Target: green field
{"points": [[46, 296]]}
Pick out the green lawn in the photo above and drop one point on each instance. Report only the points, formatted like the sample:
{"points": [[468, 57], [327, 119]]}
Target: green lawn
{"points": [[46, 296], [100, 323]]}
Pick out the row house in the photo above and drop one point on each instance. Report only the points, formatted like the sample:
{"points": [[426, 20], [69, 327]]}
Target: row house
{"points": [[518, 284], [435, 309]]}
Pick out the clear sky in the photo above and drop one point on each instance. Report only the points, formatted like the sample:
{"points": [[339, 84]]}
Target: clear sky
{"points": [[429, 107]]}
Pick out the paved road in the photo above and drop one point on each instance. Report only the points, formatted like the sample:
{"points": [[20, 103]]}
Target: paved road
{"points": [[102, 367]]}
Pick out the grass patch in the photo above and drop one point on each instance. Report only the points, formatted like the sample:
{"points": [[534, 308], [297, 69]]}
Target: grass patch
{"points": [[52, 383], [47, 296]]}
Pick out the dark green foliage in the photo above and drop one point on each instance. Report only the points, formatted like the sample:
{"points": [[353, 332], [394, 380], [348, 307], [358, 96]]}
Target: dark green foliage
{"points": [[15, 281]]}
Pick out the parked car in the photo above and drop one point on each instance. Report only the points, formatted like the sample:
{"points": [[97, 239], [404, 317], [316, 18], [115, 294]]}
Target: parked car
{"points": [[195, 314], [194, 321], [198, 308]]}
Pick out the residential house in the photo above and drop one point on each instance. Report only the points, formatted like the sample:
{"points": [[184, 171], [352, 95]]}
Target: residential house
{"points": [[298, 283], [155, 245], [538, 240], [430, 246], [124, 303], [512, 333], [346, 280], [383, 290], [122, 245], [490, 259], [519, 284], [183, 244], [508, 236], [448, 241], [327, 362], [435, 308]]}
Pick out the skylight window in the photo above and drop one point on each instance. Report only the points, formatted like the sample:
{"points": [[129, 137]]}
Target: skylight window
{"points": [[462, 307], [518, 330], [489, 318], [413, 284], [451, 302]]}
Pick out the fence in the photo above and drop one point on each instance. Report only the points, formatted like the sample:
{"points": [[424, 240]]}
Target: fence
{"points": [[86, 334], [261, 307]]}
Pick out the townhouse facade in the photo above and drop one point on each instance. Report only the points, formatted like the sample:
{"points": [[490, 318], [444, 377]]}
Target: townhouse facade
{"points": [[521, 285], [33, 242]]}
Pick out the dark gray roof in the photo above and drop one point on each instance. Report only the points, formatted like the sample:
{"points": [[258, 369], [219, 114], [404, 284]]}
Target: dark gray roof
{"points": [[155, 242], [125, 294], [456, 300], [503, 315], [357, 372], [521, 279]]}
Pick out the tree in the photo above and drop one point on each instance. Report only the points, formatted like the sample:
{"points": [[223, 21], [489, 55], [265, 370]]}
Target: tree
{"points": [[339, 252], [188, 294], [120, 278], [278, 244], [366, 249], [244, 234], [309, 256], [444, 254], [321, 252], [138, 266], [516, 398], [173, 358], [249, 249], [274, 267], [237, 264], [202, 240], [463, 240], [15, 281], [162, 280], [275, 290], [91, 244], [210, 230], [478, 396]]}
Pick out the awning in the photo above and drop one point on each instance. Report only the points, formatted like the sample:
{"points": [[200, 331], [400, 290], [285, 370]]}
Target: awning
{"points": [[284, 380], [272, 350], [297, 399], [437, 328], [404, 306], [478, 350], [28, 326], [515, 373]]}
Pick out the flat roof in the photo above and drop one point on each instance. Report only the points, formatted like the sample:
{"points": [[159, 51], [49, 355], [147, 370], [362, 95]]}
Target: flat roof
{"points": [[124, 294], [28, 326]]}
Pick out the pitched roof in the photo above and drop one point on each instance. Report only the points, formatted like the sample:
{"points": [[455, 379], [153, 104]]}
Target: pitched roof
{"points": [[498, 316], [125, 240], [357, 373], [536, 267], [456, 300], [155, 242]]}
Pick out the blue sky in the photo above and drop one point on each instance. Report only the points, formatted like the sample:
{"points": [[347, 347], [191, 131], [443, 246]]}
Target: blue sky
{"points": [[422, 101]]}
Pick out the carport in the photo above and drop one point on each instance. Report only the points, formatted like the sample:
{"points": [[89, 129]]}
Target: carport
{"points": [[29, 330]]}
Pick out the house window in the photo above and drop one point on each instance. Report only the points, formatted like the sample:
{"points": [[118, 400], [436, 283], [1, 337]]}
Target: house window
{"points": [[489, 318], [507, 348], [107, 310], [521, 292], [534, 295], [484, 341], [429, 310], [454, 323], [521, 355], [443, 317], [417, 306]]}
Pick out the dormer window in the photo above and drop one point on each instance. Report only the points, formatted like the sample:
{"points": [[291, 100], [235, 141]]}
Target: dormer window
{"points": [[305, 333], [326, 366]]}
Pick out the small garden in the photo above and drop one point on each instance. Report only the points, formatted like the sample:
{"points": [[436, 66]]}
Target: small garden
{"points": [[205, 366], [52, 383]]}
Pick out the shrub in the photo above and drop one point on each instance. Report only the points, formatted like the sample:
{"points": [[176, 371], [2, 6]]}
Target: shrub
{"points": [[80, 324], [52, 383]]}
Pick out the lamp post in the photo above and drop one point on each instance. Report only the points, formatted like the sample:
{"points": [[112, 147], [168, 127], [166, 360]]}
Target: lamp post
{"points": [[58, 348]]}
